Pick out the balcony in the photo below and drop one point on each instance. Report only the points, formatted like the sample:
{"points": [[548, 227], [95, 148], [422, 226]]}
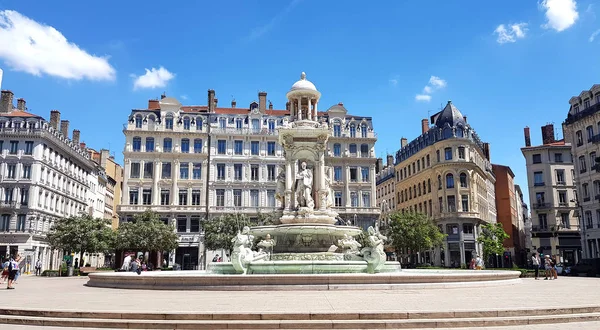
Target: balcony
{"points": [[243, 131], [561, 183], [540, 228], [541, 206], [539, 184], [595, 139]]}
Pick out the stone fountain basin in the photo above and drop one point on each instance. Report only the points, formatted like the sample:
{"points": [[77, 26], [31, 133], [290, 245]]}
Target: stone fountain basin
{"points": [[296, 229], [304, 238], [302, 267]]}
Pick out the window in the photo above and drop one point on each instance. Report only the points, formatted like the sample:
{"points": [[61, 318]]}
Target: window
{"points": [[579, 138], [5, 223], [149, 144], [448, 153], [133, 197], [562, 197], [588, 220], [169, 121], [354, 199], [195, 197], [441, 204], [366, 199], [186, 123], [222, 123], [197, 171], [560, 176], [26, 172], [254, 172], [538, 178], [364, 174], [582, 167], [185, 146], [439, 182], [428, 185], [198, 123], [558, 158], [364, 150], [167, 145], [540, 198], [21, 222], [137, 144], [197, 146], [465, 203], [337, 130], [184, 171], [166, 170], [147, 196], [586, 103], [449, 181], [337, 173], [353, 149], [29, 147], [221, 147], [254, 198], [148, 170], [220, 197], [138, 121], [181, 224], [428, 162], [468, 228], [237, 197], [271, 172], [195, 224], [586, 191], [463, 180], [271, 148], [451, 204], [271, 197], [353, 174], [437, 153], [271, 128], [566, 221], [11, 171], [238, 147], [338, 199], [254, 147], [134, 171], [165, 197], [255, 125], [239, 123], [337, 150], [537, 158], [183, 197], [237, 172], [8, 195], [220, 171], [352, 130], [24, 196], [592, 160], [590, 133]]}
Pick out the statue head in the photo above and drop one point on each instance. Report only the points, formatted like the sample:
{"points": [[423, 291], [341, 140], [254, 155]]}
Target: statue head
{"points": [[268, 237], [303, 165], [371, 230], [245, 230]]}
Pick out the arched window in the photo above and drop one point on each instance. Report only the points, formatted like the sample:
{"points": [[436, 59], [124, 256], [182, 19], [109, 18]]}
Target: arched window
{"points": [[149, 144], [169, 121], [198, 123], [439, 182], [337, 130], [150, 119], [352, 130], [463, 180], [186, 123], [137, 143], [337, 150], [409, 192], [197, 146], [449, 180], [138, 121], [459, 131], [419, 188], [424, 187], [363, 130]]}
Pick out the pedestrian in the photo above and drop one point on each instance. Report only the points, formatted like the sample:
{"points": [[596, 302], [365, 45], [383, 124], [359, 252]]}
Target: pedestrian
{"points": [[547, 267], [4, 276], [553, 271], [38, 267], [17, 261], [535, 261], [216, 258], [126, 263], [13, 269], [479, 263], [473, 263]]}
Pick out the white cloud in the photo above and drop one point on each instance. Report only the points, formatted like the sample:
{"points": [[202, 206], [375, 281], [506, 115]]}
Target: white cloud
{"points": [[594, 35], [510, 34], [560, 14], [153, 78], [423, 97], [184, 97], [38, 49], [259, 31], [427, 90], [394, 82], [437, 82]]}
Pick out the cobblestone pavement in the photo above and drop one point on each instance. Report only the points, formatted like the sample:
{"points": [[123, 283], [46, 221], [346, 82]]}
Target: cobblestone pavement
{"points": [[71, 294]]}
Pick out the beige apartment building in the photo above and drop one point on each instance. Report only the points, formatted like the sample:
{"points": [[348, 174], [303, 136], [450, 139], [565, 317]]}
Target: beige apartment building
{"points": [[446, 173], [552, 197], [582, 132], [385, 181], [113, 176]]}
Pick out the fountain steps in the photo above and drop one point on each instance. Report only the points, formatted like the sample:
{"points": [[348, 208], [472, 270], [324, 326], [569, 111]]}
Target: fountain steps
{"points": [[371, 320]]}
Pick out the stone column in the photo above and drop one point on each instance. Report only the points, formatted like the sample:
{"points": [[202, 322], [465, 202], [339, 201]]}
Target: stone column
{"points": [[315, 109], [322, 187], [299, 108], [155, 190], [309, 110], [347, 186]]}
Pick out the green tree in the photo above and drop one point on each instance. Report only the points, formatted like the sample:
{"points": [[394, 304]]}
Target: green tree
{"points": [[413, 232], [147, 233], [492, 236], [82, 234], [219, 232]]}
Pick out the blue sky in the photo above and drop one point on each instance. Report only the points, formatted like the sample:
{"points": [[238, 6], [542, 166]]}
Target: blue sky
{"points": [[505, 64]]}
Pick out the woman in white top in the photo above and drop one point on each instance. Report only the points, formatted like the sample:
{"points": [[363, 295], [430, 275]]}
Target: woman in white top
{"points": [[535, 260]]}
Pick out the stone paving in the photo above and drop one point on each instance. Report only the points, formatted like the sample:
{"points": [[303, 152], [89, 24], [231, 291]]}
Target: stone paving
{"points": [[71, 294]]}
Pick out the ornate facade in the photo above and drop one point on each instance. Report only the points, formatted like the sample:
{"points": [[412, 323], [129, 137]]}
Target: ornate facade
{"points": [[179, 159], [446, 173]]}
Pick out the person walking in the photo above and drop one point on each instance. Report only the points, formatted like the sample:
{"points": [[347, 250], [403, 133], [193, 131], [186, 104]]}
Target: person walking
{"points": [[38, 267], [535, 261], [126, 263], [4, 276], [17, 261], [547, 267], [553, 272], [479, 263], [13, 269]]}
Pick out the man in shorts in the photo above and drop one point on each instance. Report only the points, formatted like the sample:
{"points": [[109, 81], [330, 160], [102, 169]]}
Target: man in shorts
{"points": [[13, 269]]}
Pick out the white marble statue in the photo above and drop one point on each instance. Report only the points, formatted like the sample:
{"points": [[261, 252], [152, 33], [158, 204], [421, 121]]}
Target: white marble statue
{"points": [[242, 254], [328, 188], [374, 254], [303, 189], [266, 246], [351, 247], [280, 192]]}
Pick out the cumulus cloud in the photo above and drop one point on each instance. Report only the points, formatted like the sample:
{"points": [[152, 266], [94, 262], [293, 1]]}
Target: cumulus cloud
{"points": [[394, 82], [153, 78], [434, 84], [511, 32], [594, 35], [39, 49], [560, 14]]}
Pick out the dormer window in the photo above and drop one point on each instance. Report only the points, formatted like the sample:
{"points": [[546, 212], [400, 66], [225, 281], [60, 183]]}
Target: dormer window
{"points": [[222, 122], [576, 108], [337, 130], [169, 121], [363, 131], [239, 123], [586, 103], [352, 130], [138, 121], [199, 123], [186, 123]]}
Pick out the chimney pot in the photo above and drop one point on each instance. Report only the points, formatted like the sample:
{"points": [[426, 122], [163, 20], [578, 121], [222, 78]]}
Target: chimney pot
{"points": [[379, 165], [465, 118], [390, 160], [54, 119], [21, 104], [153, 104], [403, 142], [76, 134], [211, 101], [270, 105], [233, 103], [527, 137], [64, 128], [216, 102], [424, 126], [6, 103], [262, 101], [548, 134]]}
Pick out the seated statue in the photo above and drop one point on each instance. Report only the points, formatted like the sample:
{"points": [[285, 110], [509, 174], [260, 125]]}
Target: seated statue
{"points": [[242, 254], [351, 247], [374, 254]]}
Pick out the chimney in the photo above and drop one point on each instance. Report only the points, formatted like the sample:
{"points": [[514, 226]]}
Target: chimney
{"points": [[262, 101], [270, 105], [379, 165], [211, 101], [6, 103], [64, 128], [548, 134], [75, 137], [216, 102], [233, 103], [465, 118], [486, 150], [153, 104], [54, 119], [21, 104], [104, 156], [527, 136], [403, 142], [424, 126], [390, 160], [82, 145]]}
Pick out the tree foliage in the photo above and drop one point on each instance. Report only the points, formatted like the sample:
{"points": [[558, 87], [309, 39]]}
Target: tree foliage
{"points": [[82, 234], [146, 233], [219, 232], [492, 236], [413, 232]]}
